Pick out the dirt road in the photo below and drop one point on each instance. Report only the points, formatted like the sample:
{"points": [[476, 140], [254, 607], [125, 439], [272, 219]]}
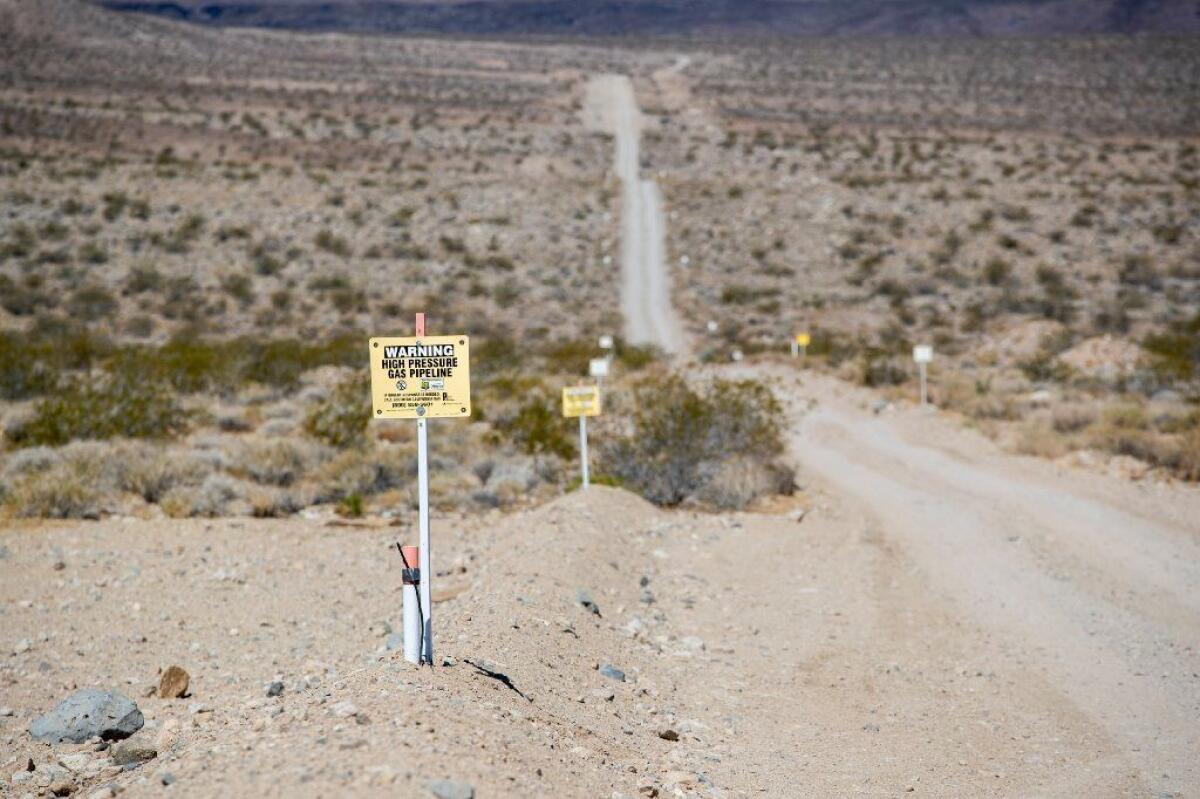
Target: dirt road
{"points": [[645, 280]]}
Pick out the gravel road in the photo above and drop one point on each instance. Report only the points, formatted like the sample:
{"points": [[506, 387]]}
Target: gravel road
{"points": [[650, 317]]}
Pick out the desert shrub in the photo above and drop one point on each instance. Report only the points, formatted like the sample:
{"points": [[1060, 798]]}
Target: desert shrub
{"points": [[276, 502], [66, 490], [536, 428], [361, 471], [1176, 352], [211, 498], [881, 368], [681, 436], [280, 462], [328, 241], [737, 482], [24, 372], [115, 408], [341, 420], [1044, 367], [91, 303], [351, 506]]}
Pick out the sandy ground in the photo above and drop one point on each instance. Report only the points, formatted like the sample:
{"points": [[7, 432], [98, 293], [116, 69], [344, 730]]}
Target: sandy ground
{"points": [[650, 318], [945, 620]]}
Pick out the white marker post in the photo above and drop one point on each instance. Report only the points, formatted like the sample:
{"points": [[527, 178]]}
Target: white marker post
{"points": [[598, 368], [923, 354], [582, 401]]}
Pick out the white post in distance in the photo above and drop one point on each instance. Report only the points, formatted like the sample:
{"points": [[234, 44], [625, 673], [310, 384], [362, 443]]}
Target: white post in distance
{"points": [[923, 354]]}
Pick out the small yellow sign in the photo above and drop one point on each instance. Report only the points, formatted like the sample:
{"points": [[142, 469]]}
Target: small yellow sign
{"points": [[581, 401], [420, 378], [803, 339]]}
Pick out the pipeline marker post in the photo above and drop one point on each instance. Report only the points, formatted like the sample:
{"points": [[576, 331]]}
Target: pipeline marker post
{"points": [[420, 377], [581, 401], [800, 344], [923, 354], [598, 368]]}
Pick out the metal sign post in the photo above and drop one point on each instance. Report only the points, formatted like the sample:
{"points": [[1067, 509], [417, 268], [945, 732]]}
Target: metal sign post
{"points": [[583, 453], [923, 354], [420, 378], [582, 401], [423, 522]]}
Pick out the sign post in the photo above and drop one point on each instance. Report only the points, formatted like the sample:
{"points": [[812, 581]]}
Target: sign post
{"points": [[598, 368], [420, 378], [801, 342], [923, 354], [582, 401]]}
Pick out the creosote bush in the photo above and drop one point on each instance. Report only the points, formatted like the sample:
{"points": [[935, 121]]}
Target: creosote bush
{"points": [[683, 441], [113, 409], [341, 420]]}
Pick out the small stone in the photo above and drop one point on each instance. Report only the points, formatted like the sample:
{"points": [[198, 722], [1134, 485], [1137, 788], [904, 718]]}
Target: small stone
{"points": [[678, 778], [62, 787], [102, 793], [23, 646], [612, 672], [7, 711], [199, 707], [604, 694], [166, 778], [449, 789], [167, 735], [174, 683], [585, 599], [127, 752], [77, 761], [345, 710], [380, 629], [393, 641], [275, 688], [669, 735]]}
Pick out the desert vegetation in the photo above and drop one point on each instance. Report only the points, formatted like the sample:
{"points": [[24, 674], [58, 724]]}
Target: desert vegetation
{"points": [[1027, 210]]}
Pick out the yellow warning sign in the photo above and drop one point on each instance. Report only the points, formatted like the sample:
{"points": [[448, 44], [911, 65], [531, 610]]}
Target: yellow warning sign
{"points": [[803, 339], [420, 377], [581, 401]]}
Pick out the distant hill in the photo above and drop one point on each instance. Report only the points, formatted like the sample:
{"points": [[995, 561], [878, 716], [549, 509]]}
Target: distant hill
{"points": [[692, 17]]}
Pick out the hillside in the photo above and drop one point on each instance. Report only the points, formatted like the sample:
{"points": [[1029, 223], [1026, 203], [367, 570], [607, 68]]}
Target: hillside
{"points": [[709, 17]]}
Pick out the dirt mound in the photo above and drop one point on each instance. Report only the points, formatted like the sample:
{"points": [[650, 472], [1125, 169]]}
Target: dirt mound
{"points": [[541, 693]]}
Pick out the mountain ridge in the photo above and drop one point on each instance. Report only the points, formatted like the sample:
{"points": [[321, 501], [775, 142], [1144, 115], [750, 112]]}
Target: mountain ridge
{"points": [[690, 17]]}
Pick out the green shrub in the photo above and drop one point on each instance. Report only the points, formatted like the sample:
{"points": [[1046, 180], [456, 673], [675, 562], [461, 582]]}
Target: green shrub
{"points": [[342, 420], [117, 408], [681, 436], [1176, 352], [537, 428]]}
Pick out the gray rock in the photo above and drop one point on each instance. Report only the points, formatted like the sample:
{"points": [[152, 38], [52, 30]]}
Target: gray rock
{"points": [[612, 672], [86, 714], [585, 599], [449, 789], [275, 688], [394, 641]]}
